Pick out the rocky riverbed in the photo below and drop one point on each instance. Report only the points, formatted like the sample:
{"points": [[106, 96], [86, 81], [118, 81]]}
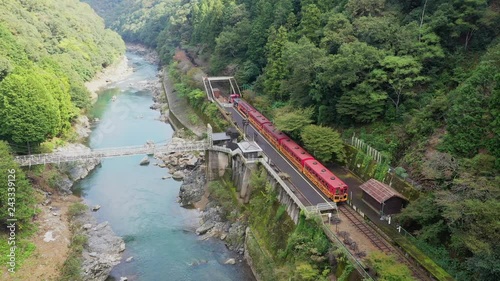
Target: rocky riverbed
{"points": [[194, 193], [102, 250]]}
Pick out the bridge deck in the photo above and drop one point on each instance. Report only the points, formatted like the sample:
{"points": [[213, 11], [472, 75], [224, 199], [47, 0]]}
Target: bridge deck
{"points": [[149, 148]]}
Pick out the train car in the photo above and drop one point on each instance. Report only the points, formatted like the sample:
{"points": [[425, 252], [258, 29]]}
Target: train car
{"points": [[273, 135], [245, 108], [257, 119], [233, 97], [295, 153], [325, 180]]}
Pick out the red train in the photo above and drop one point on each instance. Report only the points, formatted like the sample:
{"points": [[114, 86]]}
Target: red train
{"points": [[326, 181]]}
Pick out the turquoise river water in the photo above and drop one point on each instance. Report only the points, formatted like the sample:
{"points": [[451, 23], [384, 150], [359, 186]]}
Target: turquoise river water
{"points": [[139, 205]]}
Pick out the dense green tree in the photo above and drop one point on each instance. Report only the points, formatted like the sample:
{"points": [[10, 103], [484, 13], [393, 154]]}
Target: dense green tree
{"points": [[303, 71], [276, 70], [472, 118], [324, 143], [338, 30], [363, 104], [14, 182], [310, 24], [28, 111], [357, 8], [398, 76], [292, 120]]}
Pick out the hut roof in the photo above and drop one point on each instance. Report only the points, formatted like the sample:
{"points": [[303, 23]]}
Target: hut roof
{"points": [[381, 192]]}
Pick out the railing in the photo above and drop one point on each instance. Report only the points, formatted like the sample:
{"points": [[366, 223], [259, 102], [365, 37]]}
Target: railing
{"points": [[283, 184], [148, 148], [360, 267]]}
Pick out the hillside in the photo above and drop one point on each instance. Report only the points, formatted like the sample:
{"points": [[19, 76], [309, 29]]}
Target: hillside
{"points": [[48, 49], [418, 80]]}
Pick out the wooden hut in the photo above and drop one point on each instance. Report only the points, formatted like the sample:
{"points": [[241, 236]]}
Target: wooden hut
{"points": [[382, 197]]}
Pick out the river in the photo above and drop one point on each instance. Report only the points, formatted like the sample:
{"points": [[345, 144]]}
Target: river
{"points": [[137, 203]]}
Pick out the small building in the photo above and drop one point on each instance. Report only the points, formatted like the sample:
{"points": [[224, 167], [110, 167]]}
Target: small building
{"points": [[217, 93], [382, 198], [221, 139], [249, 149]]}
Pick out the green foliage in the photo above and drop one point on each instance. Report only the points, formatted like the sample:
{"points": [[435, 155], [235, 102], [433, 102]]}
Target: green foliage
{"points": [[388, 269], [219, 191], [15, 185], [299, 250], [57, 46], [473, 119], [14, 177], [71, 269], [76, 209], [323, 142], [292, 120]]}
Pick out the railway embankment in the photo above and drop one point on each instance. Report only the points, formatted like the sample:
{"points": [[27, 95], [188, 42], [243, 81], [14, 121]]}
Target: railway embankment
{"points": [[176, 108]]}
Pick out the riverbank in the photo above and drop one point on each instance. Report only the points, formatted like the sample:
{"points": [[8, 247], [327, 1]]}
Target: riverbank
{"points": [[53, 236], [178, 107], [115, 72]]}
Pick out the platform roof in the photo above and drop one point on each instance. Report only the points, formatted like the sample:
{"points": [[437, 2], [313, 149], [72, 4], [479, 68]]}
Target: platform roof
{"points": [[220, 137], [381, 192], [249, 146]]}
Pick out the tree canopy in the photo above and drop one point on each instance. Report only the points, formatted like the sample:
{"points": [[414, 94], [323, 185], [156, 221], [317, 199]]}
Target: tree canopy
{"points": [[48, 49]]}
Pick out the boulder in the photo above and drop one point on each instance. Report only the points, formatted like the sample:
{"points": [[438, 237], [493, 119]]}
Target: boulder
{"points": [[96, 208], [144, 161], [204, 228], [129, 259], [230, 261], [178, 175]]}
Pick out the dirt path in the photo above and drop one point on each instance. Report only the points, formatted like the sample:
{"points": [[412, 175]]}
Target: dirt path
{"points": [[51, 241]]}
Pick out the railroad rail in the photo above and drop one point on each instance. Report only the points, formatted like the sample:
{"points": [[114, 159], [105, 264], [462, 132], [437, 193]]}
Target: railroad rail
{"points": [[353, 217], [378, 242]]}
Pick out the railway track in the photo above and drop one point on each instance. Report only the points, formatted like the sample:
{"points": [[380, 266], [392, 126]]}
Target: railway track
{"points": [[378, 242], [353, 217]]}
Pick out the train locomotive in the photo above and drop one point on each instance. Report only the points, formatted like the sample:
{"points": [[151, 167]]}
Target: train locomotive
{"points": [[324, 179]]}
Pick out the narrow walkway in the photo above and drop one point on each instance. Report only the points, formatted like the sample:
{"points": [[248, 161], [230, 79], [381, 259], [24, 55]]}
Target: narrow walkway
{"points": [[179, 107], [149, 148]]}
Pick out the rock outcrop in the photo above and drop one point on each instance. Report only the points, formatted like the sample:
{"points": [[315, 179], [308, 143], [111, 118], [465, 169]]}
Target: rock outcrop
{"points": [[193, 187], [102, 250], [73, 171]]}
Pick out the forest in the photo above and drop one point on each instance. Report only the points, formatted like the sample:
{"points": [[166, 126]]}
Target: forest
{"points": [[416, 79], [48, 49]]}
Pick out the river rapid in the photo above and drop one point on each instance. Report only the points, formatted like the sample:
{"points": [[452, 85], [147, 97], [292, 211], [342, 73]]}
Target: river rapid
{"points": [[140, 206]]}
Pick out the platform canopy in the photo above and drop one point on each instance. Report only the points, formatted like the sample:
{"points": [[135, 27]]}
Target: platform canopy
{"points": [[381, 192]]}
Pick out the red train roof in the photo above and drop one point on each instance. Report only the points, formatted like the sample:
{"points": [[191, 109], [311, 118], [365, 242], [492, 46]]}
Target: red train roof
{"points": [[296, 150], [261, 119], [274, 132], [329, 177], [246, 106]]}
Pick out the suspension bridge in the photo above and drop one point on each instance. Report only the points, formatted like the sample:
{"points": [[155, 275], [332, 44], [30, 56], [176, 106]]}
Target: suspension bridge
{"points": [[150, 148]]}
